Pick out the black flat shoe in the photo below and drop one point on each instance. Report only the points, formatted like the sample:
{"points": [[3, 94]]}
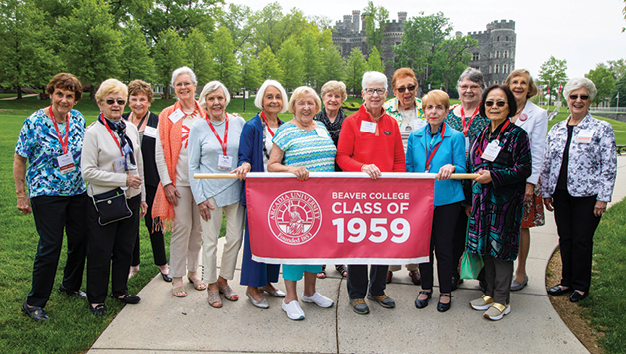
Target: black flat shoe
{"points": [[166, 278], [99, 310], [420, 304], [441, 307], [35, 312], [128, 299], [78, 293], [576, 296], [558, 290], [456, 281]]}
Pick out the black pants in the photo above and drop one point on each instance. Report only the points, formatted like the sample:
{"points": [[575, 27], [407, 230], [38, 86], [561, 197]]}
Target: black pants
{"points": [[112, 243], [444, 222], [156, 238], [52, 214], [358, 282], [576, 224], [498, 275]]}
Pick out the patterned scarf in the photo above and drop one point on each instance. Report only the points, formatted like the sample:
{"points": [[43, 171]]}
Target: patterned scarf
{"points": [[120, 129]]}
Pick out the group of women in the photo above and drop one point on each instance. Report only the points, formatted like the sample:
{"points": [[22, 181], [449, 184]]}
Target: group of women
{"points": [[496, 133]]}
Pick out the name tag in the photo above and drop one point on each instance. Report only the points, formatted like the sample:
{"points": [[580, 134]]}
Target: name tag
{"points": [[119, 165], [492, 151], [225, 162], [126, 149], [322, 133], [584, 136], [368, 127], [151, 132], [467, 146], [176, 116], [66, 163]]}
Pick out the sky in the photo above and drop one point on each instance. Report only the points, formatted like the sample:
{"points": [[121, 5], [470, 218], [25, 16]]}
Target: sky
{"points": [[584, 33]]}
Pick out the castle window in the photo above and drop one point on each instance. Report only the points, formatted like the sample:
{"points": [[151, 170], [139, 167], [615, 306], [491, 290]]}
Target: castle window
{"points": [[497, 69], [475, 56], [507, 38], [490, 69], [506, 54], [498, 39], [490, 55], [505, 69], [497, 54]]}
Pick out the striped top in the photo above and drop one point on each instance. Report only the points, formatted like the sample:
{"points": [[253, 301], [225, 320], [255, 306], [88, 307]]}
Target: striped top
{"points": [[313, 149]]}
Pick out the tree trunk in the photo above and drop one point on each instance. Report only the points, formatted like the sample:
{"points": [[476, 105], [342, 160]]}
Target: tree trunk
{"points": [[92, 92], [19, 92]]}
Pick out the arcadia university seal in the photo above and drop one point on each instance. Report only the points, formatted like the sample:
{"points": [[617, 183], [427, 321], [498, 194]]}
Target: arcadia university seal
{"points": [[294, 217]]}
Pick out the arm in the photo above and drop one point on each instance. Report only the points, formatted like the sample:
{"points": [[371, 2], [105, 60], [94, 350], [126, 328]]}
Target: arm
{"points": [[171, 193], [140, 170], [608, 164], [19, 175], [522, 164], [195, 156], [399, 163], [458, 158], [346, 146], [409, 154], [275, 165], [246, 142], [538, 140]]}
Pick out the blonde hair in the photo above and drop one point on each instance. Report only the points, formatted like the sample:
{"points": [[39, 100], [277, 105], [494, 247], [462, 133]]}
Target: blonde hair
{"points": [[299, 94], [335, 87], [532, 88], [110, 86], [137, 87], [436, 97]]}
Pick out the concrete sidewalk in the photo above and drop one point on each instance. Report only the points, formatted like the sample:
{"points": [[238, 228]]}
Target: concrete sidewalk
{"points": [[161, 323]]}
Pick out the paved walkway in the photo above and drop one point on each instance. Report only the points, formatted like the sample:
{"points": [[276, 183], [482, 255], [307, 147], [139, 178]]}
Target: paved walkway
{"points": [[161, 323], [15, 98]]}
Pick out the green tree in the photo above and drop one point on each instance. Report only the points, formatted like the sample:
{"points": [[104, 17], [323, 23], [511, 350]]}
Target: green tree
{"points": [[355, 69], [451, 58], [199, 57], [273, 28], [124, 11], [168, 55], [26, 58], [290, 56], [552, 72], [374, 61], [376, 18], [604, 81], [334, 66], [180, 16], [226, 68], [250, 70], [312, 57], [619, 89], [136, 61], [616, 67], [270, 68], [240, 20], [91, 44]]}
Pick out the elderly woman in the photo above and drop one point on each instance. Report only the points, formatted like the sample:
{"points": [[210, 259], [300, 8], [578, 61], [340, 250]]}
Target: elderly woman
{"points": [[139, 100], [436, 148], [534, 121], [300, 146], [466, 118], [406, 109], [214, 148], [578, 177], [370, 142], [502, 158], [332, 116], [112, 162], [51, 141], [254, 148], [174, 206]]}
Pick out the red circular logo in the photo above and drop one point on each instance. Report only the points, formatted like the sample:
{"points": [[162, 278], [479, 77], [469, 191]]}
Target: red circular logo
{"points": [[294, 217], [523, 117]]}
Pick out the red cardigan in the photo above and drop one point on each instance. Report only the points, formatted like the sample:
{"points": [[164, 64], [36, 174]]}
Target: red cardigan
{"points": [[382, 148]]}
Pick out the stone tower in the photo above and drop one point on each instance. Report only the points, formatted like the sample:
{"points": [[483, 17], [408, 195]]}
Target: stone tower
{"points": [[495, 55]]}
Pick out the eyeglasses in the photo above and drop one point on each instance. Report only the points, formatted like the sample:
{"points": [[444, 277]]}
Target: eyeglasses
{"points": [[499, 103], [466, 87], [410, 88], [582, 97], [185, 84], [119, 101], [371, 91]]}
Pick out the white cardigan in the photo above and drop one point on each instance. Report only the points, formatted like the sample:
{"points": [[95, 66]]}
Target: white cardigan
{"points": [[536, 126], [97, 161]]}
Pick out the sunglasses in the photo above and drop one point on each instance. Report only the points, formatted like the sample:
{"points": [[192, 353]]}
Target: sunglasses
{"points": [[111, 102], [402, 89], [575, 97], [499, 103]]}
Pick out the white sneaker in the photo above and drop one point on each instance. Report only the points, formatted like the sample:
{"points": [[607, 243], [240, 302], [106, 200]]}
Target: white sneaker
{"points": [[293, 310], [320, 300]]}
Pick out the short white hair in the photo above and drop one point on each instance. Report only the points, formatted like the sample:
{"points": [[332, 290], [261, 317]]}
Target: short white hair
{"points": [[580, 82], [258, 101], [211, 87], [183, 70], [371, 77]]}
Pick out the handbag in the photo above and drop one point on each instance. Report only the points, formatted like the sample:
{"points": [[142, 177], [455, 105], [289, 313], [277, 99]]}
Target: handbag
{"points": [[471, 265], [111, 206]]}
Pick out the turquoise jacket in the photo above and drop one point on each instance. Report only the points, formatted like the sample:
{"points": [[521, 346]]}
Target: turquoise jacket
{"points": [[450, 151]]}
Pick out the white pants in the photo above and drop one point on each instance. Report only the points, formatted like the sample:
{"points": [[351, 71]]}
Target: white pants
{"points": [[186, 240], [234, 215]]}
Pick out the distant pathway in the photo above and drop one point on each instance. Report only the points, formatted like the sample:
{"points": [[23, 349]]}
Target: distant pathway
{"points": [[14, 98]]}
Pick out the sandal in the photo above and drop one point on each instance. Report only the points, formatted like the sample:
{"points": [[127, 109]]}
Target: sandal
{"points": [[178, 291], [228, 293], [322, 273], [197, 284], [214, 299], [342, 270]]}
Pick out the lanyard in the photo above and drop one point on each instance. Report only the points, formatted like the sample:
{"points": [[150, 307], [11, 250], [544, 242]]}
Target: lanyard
{"points": [[432, 153], [111, 132], [267, 124], [64, 145], [508, 121], [224, 143], [466, 127]]}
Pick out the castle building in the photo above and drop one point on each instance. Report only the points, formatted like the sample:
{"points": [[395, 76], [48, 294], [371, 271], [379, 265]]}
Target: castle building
{"points": [[495, 55]]}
